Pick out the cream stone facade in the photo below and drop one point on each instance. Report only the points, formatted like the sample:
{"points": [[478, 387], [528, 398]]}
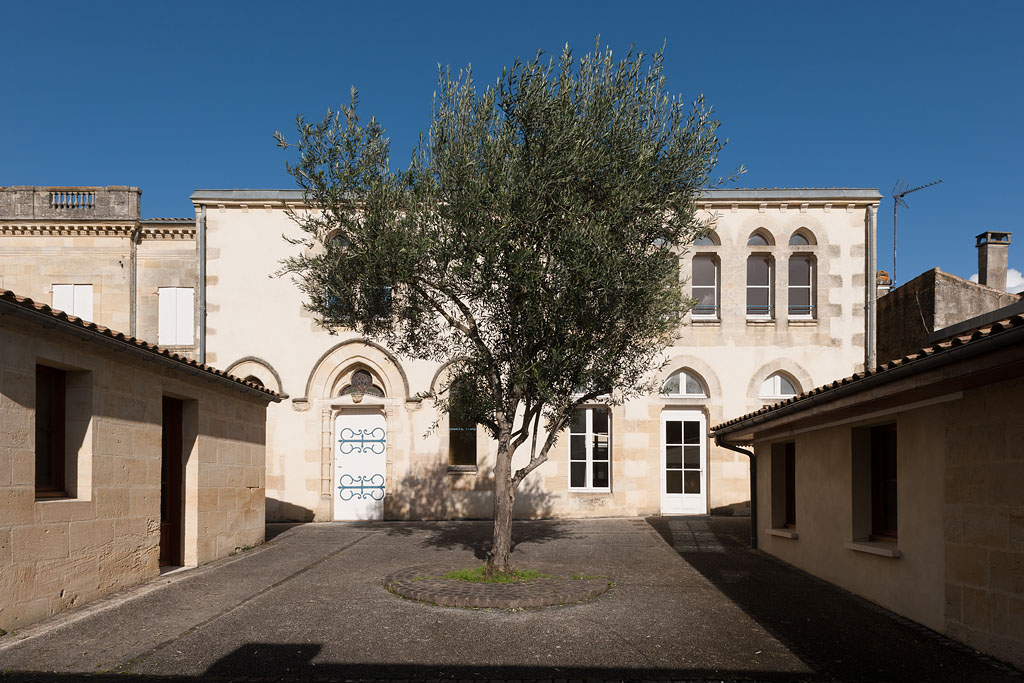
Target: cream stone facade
{"points": [[256, 326], [161, 461], [747, 335], [904, 485]]}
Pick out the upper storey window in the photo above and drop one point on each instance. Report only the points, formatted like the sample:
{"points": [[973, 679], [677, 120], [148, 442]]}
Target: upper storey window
{"points": [[684, 384], [175, 321], [802, 238], [760, 238], [705, 286], [760, 289], [710, 239], [801, 287], [74, 300]]}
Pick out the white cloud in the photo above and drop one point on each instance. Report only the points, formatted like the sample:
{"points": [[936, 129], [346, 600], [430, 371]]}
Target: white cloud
{"points": [[1014, 280]]}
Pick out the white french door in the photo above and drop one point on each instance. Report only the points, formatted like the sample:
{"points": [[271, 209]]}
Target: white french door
{"points": [[684, 462]]}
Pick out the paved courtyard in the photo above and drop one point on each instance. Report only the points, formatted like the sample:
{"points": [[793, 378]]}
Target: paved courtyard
{"points": [[689, 602]]}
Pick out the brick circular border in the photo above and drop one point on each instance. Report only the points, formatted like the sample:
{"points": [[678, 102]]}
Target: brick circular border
{"points": [[423, 583]]}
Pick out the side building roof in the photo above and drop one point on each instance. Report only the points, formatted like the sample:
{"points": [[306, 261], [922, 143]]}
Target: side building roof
{"points": [[27, 309]]}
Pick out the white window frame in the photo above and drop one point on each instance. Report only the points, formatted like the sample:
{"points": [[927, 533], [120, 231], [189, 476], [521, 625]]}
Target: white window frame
{"points": [[776, 388], [682, 374], [716, 315], [811, 274], [175, 316], [770, 287], [79, 296], [589, 443]]}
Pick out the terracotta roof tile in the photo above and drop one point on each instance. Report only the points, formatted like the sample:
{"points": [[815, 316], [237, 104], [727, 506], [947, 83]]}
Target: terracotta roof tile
{"points": [[10, 298], [968, 337]]}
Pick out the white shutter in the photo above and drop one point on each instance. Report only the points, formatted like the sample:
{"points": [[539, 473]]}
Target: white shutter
{"points": [[167, 320], [83, 301], [184, 325], [64, 298]]}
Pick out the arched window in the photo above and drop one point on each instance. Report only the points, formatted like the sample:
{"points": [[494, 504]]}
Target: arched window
{"points": [[760, 287], [801, 286], [802, 238], [705, 286], [684, 383], [777, 386], [710, 239], [361, 384], [760, 238]]}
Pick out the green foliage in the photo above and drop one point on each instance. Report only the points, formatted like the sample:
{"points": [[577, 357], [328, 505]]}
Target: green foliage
{"points": [[534, 237], [481, 575]]}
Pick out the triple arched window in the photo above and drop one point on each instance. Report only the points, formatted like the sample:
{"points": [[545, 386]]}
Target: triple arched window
{"points": [[799, 267]]}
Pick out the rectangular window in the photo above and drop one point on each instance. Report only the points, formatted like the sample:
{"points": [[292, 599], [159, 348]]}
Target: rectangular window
{"points": [[790, 497], [176, 325], [760, 299], [461, 441], [51, 468], [801, 287], [590, 449], [74, 300], [883, 483], [783, 485], [705, 287]]}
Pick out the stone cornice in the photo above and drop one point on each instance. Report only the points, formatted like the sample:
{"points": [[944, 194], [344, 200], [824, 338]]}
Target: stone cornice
{"points": [[168, 233], [63, 229], [795, 199], [98, 229]]}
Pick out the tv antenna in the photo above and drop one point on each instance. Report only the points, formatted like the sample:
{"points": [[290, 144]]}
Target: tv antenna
{"points": [[899, 191]]}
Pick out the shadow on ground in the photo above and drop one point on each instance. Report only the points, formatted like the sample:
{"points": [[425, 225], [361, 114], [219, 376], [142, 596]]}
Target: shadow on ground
{"points": [[476, 536], [294, 662], [837, 634]]}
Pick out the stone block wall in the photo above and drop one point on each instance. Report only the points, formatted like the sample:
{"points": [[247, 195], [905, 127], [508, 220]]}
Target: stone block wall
{"points": [[931, 301], [62, 552], [984, 521]]}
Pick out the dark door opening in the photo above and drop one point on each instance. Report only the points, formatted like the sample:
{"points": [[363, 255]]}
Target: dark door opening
{"points": [[172, 490]]}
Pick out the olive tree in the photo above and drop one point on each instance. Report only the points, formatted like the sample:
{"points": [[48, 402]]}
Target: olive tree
{"points": [[533, 240]]}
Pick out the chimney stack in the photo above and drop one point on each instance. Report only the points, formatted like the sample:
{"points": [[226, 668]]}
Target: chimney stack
{"points": [[993, 248], [883, 284]]}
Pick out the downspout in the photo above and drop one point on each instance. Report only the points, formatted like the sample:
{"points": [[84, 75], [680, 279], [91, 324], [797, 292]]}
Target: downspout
{"points": [[753, 485], [133, 304], [202, 284], [870, 291]]}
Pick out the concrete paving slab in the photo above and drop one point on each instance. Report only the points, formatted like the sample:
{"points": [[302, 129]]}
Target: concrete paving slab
{"points": [[689, 602]]}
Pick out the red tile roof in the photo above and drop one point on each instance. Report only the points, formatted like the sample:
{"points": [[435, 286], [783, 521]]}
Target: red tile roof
{"points": [[9, 298], [969, 337]]}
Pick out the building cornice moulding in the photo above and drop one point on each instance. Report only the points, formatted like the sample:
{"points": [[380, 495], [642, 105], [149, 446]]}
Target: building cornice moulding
{"points": [[169, 233], [64, 229], [799, 198]]}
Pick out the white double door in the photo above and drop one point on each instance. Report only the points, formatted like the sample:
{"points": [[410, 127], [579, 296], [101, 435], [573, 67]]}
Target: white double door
{"points": [[360, 455], [684, 462]]}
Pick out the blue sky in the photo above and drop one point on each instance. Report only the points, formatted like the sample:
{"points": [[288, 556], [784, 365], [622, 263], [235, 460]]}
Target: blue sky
{"points": [[172, 97]]}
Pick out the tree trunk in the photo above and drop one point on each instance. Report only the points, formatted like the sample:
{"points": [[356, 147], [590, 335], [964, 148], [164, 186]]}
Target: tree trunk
{"points": [[504, 497]]}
